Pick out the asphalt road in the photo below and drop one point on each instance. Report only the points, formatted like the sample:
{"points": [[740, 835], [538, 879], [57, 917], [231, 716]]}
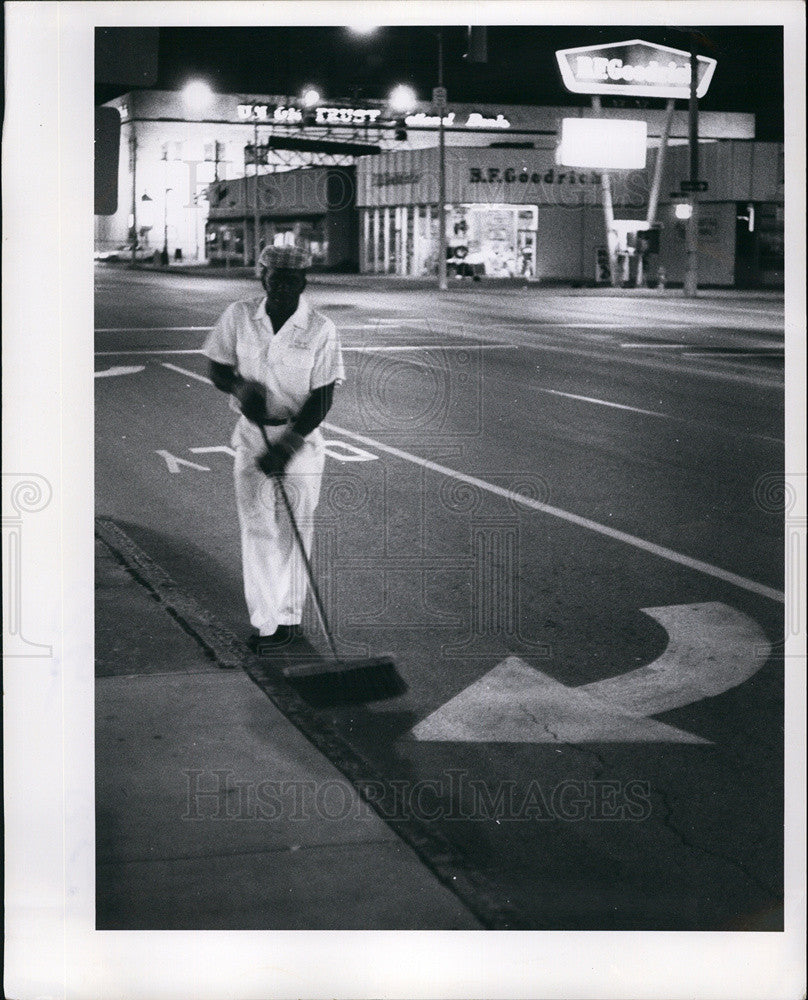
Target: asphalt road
{"points": [[560, 513]]}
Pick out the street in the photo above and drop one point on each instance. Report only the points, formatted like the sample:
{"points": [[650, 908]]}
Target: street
{"points": [[559, 513]]}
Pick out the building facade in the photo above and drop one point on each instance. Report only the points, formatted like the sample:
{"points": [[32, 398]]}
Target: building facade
{"points": [[314, 207], [517, 213], [512, 209]]}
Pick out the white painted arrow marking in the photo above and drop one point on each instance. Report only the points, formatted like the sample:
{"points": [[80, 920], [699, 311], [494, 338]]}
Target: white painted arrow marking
{"points": [[120, 370], [711, 649], [174, 463]]}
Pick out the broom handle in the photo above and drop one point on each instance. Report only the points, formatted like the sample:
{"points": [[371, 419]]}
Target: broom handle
{"points": [[306, 562]]}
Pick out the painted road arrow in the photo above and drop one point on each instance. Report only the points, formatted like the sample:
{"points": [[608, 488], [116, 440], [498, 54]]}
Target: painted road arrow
{"points": [[711, 648], [120, 370], [174, 463]]}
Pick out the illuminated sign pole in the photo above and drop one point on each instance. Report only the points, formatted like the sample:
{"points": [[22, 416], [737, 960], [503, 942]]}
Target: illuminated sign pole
{"points": [[257, 204], [692, 271], [133, 156], [656, 183], [645, 69], [608, 210]]}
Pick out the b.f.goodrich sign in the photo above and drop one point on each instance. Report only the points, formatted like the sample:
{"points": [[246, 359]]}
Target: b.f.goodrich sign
{"points": [[510, 175]]}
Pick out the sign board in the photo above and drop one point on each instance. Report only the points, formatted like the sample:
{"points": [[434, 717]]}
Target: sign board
{"points": [[634, 68], [281, 114], [603, 143], [693, 186]]}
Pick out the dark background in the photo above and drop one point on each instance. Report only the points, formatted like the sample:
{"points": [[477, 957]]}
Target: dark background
{"points": [[521, 66]]}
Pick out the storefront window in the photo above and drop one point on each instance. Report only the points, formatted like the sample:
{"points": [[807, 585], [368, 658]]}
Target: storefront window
{"points": [[224, 243], [496, 240]]}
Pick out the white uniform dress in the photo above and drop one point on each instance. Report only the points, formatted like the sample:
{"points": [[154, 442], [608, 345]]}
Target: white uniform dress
{"points": [[303, 355]]}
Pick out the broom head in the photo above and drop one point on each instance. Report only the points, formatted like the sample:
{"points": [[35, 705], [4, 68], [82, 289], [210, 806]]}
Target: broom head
{"points": [[344, 682]]}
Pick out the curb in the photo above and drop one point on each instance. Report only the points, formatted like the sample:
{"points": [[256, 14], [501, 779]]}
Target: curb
{"points": [[438, 855], [217, 642]]}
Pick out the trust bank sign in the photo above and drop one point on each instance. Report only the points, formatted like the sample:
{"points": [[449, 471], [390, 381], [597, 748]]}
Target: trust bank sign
{"points": [[634, 68]]}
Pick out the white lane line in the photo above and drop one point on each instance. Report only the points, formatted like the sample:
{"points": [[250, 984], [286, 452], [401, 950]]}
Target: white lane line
{"points": [[582, 522], [656, 347], [364, 349], [120, 370], [110, 354], [376, 324], [184, 371], [748, 352], [665, 416], [149, 329], [372, 349], [736, 376], [555, 392], [602, 402]]}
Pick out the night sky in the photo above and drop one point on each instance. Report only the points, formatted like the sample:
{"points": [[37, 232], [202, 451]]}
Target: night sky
{"points": [[521, 67]]}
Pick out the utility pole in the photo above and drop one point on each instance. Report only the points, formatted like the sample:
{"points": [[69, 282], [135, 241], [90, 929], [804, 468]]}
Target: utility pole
{"points": [[165, 228], [442, 105], [256, 200], [133, 158], [692, 270]]}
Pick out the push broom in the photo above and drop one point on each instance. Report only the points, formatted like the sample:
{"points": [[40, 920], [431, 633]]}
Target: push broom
{"points": [[335, 681]]}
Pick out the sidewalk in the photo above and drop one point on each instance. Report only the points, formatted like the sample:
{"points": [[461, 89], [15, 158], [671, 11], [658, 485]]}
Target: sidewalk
{"points": [[213, 811]]}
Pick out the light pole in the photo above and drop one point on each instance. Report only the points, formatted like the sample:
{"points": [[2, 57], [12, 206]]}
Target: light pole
{"points": [[164, 254], [257, 204], [402, 100], [146, 216], [197, 96], [441, 101], [133, 161]]}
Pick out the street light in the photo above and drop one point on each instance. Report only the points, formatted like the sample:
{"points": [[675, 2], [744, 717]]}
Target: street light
{"points": [[402, 99], [311, 97], [197, 96], [362, 28]]}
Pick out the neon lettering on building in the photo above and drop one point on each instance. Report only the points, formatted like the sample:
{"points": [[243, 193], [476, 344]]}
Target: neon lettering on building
{"points": [[476, 120], [346, 116], [287, 115], [422, 120], [509, 175]]}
